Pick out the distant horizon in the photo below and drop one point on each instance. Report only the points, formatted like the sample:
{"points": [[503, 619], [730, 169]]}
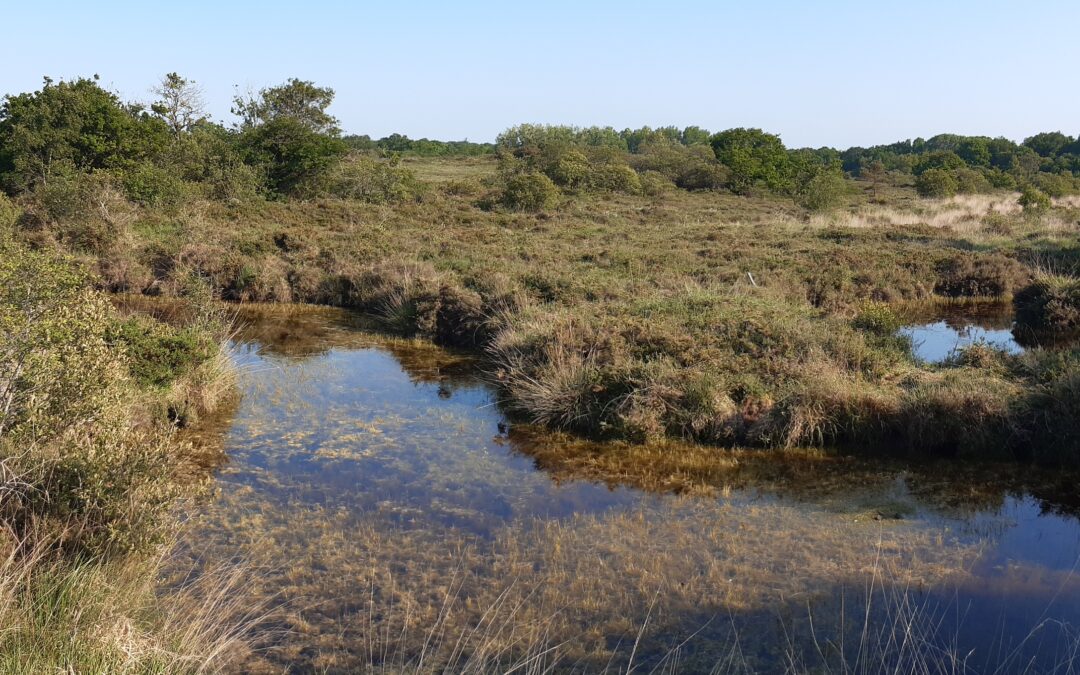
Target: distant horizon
{"points": [[835, 74]]}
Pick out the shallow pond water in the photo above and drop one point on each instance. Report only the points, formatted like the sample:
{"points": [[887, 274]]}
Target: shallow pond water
{"points": [[394, 519], [940, 334]]}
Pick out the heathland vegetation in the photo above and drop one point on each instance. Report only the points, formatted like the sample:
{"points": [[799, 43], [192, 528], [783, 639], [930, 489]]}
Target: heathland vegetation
{"points": [[635, 284]]}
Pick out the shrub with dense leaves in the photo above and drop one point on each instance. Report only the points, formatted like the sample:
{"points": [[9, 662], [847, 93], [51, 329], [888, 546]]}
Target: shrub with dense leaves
{"points": [[530, 191], [936, 183]]}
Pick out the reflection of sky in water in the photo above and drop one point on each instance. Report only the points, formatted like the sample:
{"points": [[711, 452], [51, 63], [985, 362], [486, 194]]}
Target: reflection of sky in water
{"points": [[350, 430], [935, 342]]}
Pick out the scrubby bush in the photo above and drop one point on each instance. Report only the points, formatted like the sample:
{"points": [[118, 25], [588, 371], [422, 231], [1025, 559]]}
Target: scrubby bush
{"points": [[570, 169], [530, 191], [1050, 303], [1033, 200], [74, 456], [702, 175], [1055, 185], [974, 276], [970, 181], [824, 191], [615, 178], [936, 183], [654, 183], [9, 214], [877, 318], [368, 179], [159, 354], [151, 185]]}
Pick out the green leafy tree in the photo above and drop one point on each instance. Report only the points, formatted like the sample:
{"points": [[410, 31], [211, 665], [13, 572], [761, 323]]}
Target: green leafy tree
{"points": [[72, 126], [1048, 144], [755, 159], [298, 100], [288, 135], [876, 174]]}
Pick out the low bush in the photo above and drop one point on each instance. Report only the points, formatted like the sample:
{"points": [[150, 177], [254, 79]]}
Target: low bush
{"points": [[375, 181], [1033, 200], [936, 183], [1050, 303], [530, 191], [615, 178], [974, 276]]}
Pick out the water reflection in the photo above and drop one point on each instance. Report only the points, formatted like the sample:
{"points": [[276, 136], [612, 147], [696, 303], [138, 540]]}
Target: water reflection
{"points": [[396, 510]]}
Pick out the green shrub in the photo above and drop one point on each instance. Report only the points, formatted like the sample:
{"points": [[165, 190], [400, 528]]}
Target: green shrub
{"points": [[979, 276], [151, 185], [1050, 303], [70, 430], [936, 183], [970, 181], [876, 318], [824, 191], [1033, 200], [9, 214], [530, 191], [1055, 185], [159, 354], [570, 170], [654, 183], [367, 179], [616, 178], [702, 175]]}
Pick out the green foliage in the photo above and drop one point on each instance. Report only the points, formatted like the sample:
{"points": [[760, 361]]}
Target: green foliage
{"points": [[9, 215], [570, 170], [297, 100], [944, 160], [615, 177], [367, 179], [1056, 185], [756, 159], [936, 183], [294, 158], [66, 429], [970, 181], [159, 354], [1050, 303], [877, 318], [1033, 200], [823, 191], [654, 183], [71, 126], [151, 185], [530, 191]]}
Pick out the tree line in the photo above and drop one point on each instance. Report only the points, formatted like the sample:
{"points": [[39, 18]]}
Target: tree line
{"points": [[284, 143]]}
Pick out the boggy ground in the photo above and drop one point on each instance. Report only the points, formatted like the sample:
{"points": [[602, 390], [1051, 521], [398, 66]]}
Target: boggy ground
{"points": [[706, 316]]}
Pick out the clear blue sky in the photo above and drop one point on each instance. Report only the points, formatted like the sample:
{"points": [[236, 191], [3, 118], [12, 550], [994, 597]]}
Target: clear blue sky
{"points": [[818, 73]]}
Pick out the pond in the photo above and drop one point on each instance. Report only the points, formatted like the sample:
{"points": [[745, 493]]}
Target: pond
{"points": [[394, 519], [941, 332]]}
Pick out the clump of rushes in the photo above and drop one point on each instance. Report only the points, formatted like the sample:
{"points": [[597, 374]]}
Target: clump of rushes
{"points": [[1051, 303]]}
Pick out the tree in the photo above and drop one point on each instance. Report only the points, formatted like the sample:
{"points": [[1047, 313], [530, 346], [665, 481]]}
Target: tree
{"points": [[69, 127], [875, 173], [299, 100], [180, 104], [1048, 144], [287, 134], [754, 158]]}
